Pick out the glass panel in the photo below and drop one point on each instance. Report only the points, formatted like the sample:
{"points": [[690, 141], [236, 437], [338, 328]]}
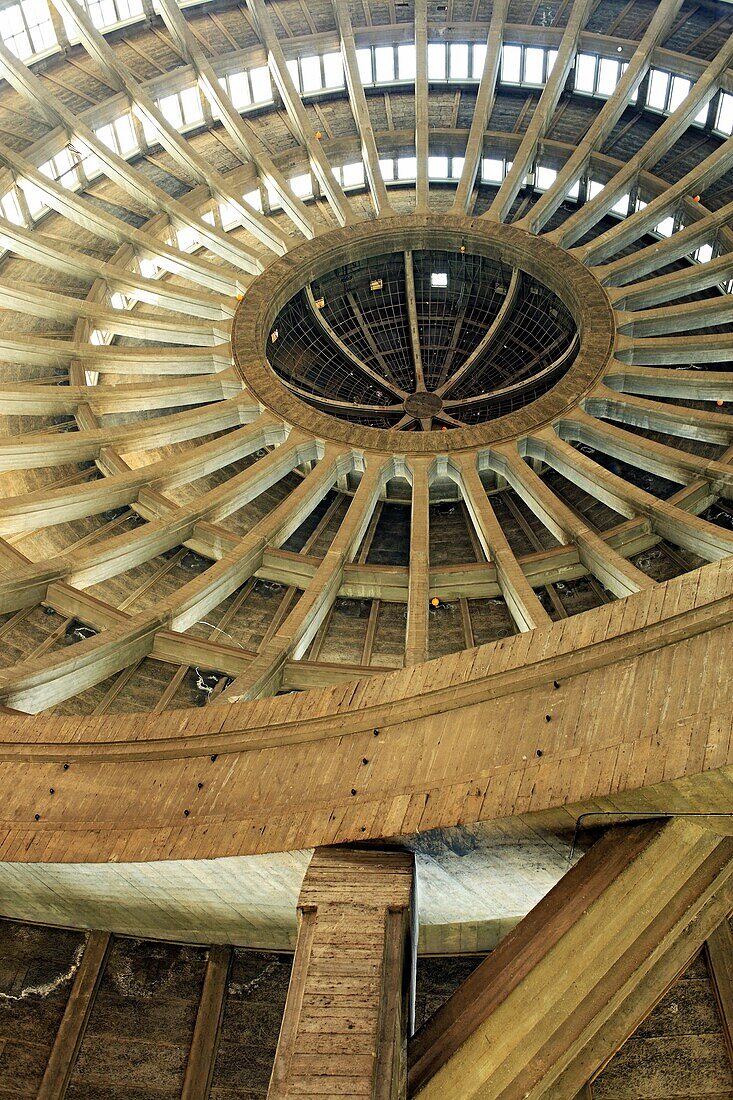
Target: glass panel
{"points": [[657, 95], [384, 61], [511, 64], [406, 168], [608, 75], [534, 63], [585, 73], [479, 57], [406, 62], [310, 69], [333, 68], [679, 91], [492, 170], [438, 168], [260, 83], [459, 61], [436, 61], [364, 61]]}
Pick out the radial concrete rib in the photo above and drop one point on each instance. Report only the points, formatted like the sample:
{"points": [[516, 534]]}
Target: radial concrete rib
{"points": [[677, 284], [360, 108], [35, 685], [24, 398], [181, 525], [30, 245], [341, 407], [483, 107], [422, 108], [543, 113], [524, 605], [574, 980], [601, 560], [183, 152], [345, 351], [298, 114], [667, 320], [48, 449], [656, 416], [411, 300], [666, 251], [416, 637], [547, 372], [605, 120], [49, 506], [24, 298], [629, 230], [292, 638], [661, 141], [714, 348], [25, 82], [490, 337], [669, 522], [647, 454], [696, 385], [249, 146], [90, 217]]}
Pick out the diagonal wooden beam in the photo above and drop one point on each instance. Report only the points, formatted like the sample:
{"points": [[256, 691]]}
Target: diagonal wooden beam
{"points": [[416, 637], [606, 119], [661, 141], [205, 1041], [60, 1065], [544, 1012], [719, 951], [360, 109], [483, 108], [422, 107], [298, 114], [246, 141], [543, 113]]}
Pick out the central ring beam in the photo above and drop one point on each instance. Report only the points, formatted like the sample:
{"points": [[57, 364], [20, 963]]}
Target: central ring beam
{"points": [[560, 272]]}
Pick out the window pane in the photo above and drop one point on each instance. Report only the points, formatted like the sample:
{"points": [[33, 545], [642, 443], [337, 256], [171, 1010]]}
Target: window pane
{"points": [[492, 170], [260, 82], [551, 59], [310, 68], [724, 121], [704, 253], [191, 104], [621, 206], [126, 139], [456, 168], [364, 61], [594, 188], [406, 168], [302, 186], [333, 69], [459, 61], [679, 91], [534, 62], [545, 177], [239, 90], [170, 108], [387, 168], [657, 96], [436, 61], [438, 168], [406, 62], [511, 61], [665, 227], [608, 74], [294, 72], [479, 56], [384, 62], [353, 174], [585, 73], [439, 279]]}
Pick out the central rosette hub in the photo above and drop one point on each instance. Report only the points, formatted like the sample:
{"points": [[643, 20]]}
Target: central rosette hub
{"points": [[421, 405]]}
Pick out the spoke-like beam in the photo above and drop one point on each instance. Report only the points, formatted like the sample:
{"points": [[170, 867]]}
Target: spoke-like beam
{"points": [[629, 230], [89, 216], [29, 398], [460, 403], [411, 302], [606, 118], [292, 638], [661, 141], [521, 599], [248, 145], [656, 416], [416, 638], [599, 558], [490, 337], [671, 523], [695, 385], [666, 320], [483, 107], [677, 284], [714, 348], [182, 151], [543, 113], [360, 108], [298, 114], [28, 84], [562, 992]]}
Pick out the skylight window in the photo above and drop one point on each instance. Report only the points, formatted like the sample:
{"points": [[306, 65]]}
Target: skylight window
{"points": [[545, 178], [665, 227], [456, 168], [438, 168], [609, 73], [310, 70], [387, 169], [364, 61], [436, 61], [229, 216], [406, 62], [27, 28], [585, 73], [458, 58], [492, 170], [11, 208], [704, 254], [333, 70], [302, 186], [479, 59], [384, 63], [259, 80], [657, 95], [678, 92], [253, 199], [534, 64], [511, 64], [353, 174], [621, 206], [551, 59], [724, 115], [594, 188], [407, 168], [439, 279], [237, 87], [294, 70]]}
